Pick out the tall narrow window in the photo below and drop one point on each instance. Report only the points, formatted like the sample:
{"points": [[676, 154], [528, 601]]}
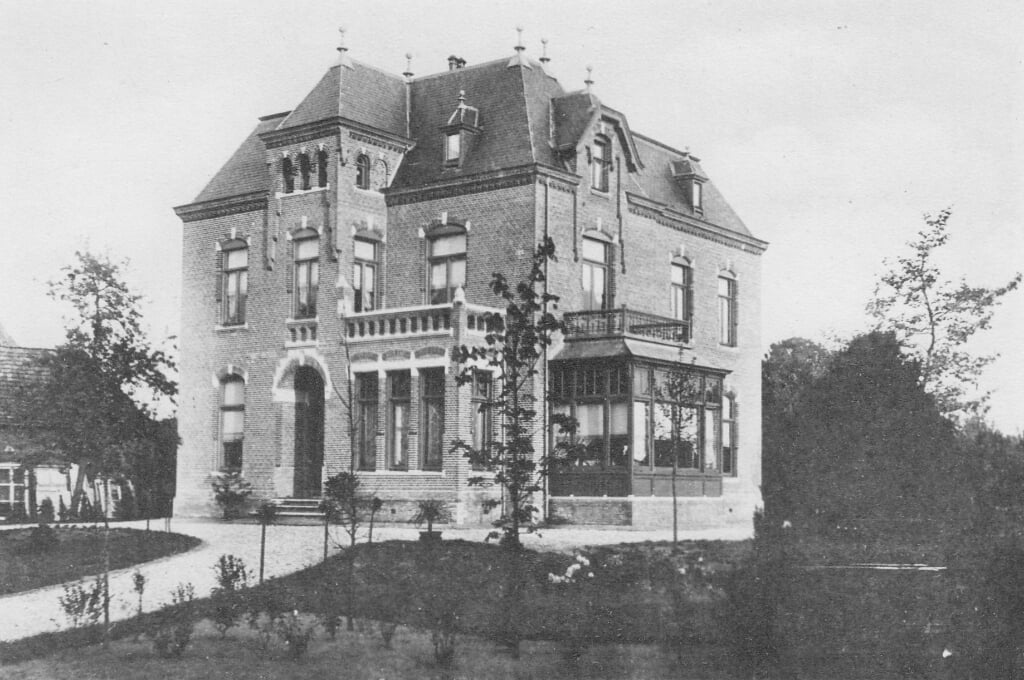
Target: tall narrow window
{"points": [[363, 171], [432, 417], [727, 311], [728, 436], [366, 420], [481, 409], [601, 164], [399, 389], [595, 274], [698, 198], [364, 276], [287, 175], [307, 277], [452, 147], [321, 168], [447, 267], [236, 283], [12, 490], [232, 421], [304, 172], [682, 297]]}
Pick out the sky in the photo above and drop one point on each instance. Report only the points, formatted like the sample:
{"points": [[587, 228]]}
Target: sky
{"points": [[830, 127]]}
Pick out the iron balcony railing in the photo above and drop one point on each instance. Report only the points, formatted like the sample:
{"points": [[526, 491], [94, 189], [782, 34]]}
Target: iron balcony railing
{"points": [[605, 322]]}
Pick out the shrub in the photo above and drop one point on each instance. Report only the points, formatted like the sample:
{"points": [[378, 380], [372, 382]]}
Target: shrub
{"points": [[440, 609], [83, 605], [46, 511], [43, 539], [63, 514], [296, 632], [231, 576], [430, 511], [230, 490], [264, 605], [172, 627]]}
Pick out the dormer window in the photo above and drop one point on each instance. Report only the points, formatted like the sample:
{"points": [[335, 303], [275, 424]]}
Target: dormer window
{"points": [[601, 164], [452, 147], [697, 196], [459, 130]]}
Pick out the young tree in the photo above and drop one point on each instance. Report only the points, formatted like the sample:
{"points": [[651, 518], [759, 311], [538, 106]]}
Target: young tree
{"points": [[515, 346], [935, 317]]}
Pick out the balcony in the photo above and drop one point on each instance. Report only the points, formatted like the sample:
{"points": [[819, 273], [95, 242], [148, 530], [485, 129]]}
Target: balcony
{"points": [[626, 322], [301, 332], [455, 320]]}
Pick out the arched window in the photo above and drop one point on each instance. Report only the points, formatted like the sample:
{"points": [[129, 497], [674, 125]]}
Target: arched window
{"points": [[601, 164], [235, 282], [447, 266], [304, 171], [321, 168], [363, 171], [307, 275], [595, 275], [232, 421], [287, 175]]}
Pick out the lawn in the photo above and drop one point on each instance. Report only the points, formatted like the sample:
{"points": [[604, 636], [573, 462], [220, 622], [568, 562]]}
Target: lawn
{"points": [[33, 558]]}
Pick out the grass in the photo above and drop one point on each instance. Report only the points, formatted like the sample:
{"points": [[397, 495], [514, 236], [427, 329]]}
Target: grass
{"points": [[77, 553]]}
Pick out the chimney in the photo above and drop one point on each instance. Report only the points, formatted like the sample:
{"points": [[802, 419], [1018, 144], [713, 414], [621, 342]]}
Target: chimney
{"points": [[461, 63], [453, 62]]}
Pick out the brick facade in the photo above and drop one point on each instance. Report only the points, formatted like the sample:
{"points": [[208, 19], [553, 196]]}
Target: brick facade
{"points": [[524, 172]]}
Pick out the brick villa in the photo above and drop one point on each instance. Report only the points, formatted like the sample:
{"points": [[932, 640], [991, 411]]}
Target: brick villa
{"points": [[347, 246]]}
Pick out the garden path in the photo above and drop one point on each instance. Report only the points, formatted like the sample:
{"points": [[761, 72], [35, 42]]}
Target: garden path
{"points": [[289, 549]]}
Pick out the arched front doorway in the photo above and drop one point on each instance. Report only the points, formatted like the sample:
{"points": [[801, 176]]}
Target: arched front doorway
{"points": [[309, 433]]}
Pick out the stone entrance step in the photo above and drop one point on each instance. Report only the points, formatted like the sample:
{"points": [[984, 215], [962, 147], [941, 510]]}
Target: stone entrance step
{"points": [[297, 510]]}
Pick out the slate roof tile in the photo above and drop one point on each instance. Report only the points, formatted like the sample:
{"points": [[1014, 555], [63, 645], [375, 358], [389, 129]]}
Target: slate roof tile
{"points": [[246, 170]]}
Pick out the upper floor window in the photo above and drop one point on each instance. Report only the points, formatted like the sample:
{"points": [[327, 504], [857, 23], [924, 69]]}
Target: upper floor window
{"points": [[307, 277], [364, 276], [432, 417], [698, 198], [321, 168], [235, 283], [682, 296], [232, 421], [287, 175], [452, 146], [363, 171], [447, 267], [601, 166], [595, 274], [304, 171], [399, 390], [727, 311]]}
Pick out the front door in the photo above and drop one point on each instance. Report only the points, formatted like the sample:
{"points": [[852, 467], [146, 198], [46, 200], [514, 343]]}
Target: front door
{"points": [[309, 432]]}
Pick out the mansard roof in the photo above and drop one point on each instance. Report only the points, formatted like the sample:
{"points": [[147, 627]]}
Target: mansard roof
{"points": [[526, 118], [19, 369]]}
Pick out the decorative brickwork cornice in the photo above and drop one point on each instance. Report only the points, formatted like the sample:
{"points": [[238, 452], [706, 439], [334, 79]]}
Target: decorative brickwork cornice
{"points": [[662, 214], [328, 127], [219, 207], [377, 141], [489, 181]]}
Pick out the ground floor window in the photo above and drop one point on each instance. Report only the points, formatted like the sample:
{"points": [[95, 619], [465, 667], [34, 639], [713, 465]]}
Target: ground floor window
{"points": [[651, 417], [432, 417], [365, 393], [12, 489], [399, 391]]}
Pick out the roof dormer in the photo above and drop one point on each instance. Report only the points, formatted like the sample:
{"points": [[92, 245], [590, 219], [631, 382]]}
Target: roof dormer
{"points": [[690, 178], [462, 126]]}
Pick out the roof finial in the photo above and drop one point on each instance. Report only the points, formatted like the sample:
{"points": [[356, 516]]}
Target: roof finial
{"points": [[544, 59], [519, 47], [408, 66], [589, 81], [343, 57]]}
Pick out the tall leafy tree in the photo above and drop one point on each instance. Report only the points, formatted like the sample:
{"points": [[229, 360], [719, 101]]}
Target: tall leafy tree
{"points": [[97, 406], [935, 317]]}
